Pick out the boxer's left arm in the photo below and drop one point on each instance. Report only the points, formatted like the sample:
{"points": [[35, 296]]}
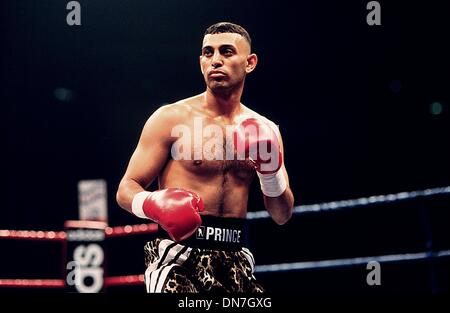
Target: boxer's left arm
{"points": [[261, 140], [280, 207]]}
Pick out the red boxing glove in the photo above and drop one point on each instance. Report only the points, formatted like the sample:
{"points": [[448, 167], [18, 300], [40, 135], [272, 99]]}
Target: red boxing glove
{"points": [[175, 210], [259, 142]]}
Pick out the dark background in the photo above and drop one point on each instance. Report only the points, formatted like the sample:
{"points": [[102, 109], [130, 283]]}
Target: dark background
{"points": [[354, 104]]}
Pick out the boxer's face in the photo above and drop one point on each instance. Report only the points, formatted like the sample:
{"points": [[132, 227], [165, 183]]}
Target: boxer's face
{"points": [[226, 60]]}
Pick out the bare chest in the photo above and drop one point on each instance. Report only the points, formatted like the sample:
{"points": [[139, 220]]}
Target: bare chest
{"points": [[208, 148]]}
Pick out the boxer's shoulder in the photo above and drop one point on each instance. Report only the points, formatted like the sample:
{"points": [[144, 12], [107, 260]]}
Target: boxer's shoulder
{"points": [[249, 113], [182, 109], [172, 114], [161, 123]]}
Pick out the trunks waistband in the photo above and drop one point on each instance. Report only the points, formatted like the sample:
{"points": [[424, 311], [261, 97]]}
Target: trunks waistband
{"points": [[215, 233]]}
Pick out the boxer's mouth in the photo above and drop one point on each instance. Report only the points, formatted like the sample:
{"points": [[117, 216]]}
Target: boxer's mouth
{"points": [[217, 74]]}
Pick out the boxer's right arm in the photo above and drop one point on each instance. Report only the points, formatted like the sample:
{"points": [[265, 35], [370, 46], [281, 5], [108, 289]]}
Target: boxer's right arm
{"points": [[175, 210], [149, 156]]}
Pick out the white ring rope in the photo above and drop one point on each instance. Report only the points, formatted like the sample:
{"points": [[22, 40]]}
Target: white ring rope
{"points": [[348, 262], [343, 204], [338, 205]]}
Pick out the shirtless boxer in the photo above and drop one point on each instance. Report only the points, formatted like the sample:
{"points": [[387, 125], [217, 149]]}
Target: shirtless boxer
{"points": [[201, 203]]}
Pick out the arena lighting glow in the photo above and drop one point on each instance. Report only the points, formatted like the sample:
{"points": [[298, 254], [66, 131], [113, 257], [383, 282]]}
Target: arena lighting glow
{"points": [[63, 94], [395, 86], [436, 108]]}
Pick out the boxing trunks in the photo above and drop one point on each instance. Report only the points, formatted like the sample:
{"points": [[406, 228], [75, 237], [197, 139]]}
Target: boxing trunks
{"points": [[212, 260]]}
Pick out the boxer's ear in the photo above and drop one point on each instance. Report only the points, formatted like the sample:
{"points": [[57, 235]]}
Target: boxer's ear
{"points": [[200, 63], [252, 60]]}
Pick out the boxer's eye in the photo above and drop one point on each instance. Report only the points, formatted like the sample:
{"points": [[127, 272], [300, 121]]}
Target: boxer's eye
{"points": [[227, 52], [207, 52]]}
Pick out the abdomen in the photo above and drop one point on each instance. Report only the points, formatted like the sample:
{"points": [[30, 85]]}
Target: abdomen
{"points": [[224, 190]]}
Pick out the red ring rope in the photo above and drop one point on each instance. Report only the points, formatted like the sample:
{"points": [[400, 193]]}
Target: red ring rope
{"points": [[61, 236], [117, 231], [126, 280]]}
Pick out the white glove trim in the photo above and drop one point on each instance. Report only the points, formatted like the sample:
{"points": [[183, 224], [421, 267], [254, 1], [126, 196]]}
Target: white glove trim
{"points": [[138, 202], [272, 185]]}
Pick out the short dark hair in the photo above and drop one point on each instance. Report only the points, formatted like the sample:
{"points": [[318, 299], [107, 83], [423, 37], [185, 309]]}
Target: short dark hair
{"points": [[227, 27]]}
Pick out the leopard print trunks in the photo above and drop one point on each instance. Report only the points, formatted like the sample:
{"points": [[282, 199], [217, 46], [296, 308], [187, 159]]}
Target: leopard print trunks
{"points": [[180, 268]]}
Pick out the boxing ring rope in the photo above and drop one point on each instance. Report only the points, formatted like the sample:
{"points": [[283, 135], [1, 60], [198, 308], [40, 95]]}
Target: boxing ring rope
{"points": [[28, 283], [349, 262], [127, 230], [60, 283], [117, 231], [61, 236], [33, 235], [350, 204], [360, 202]]}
